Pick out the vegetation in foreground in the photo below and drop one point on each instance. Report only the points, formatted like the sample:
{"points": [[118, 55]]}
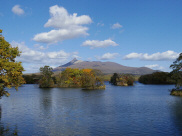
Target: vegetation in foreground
{"points": [[122, 79], [85, 78], [177, 76], [157, 78], [10, 70]]}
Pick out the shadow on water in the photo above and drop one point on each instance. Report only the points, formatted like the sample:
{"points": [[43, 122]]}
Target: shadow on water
{"points": [[177, 114], [6, 129]]}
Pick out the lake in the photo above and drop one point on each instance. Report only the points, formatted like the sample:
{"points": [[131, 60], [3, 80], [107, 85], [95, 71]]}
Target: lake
{"points": [[139, 110]]}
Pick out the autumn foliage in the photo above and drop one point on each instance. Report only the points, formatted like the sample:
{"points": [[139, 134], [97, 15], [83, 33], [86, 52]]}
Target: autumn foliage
{"points": [[84, 78], [10, 70]]}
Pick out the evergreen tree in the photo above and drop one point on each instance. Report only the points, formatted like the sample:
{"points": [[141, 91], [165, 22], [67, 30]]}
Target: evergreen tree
{"points": [[46, 80], [177, 71]]}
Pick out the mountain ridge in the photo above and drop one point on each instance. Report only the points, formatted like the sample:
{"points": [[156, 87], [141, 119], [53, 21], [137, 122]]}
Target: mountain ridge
{"points": [[106, 67]]}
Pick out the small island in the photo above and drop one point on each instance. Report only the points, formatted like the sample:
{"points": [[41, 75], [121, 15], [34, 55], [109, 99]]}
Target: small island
{"points": [[122, 79], [71, 78]]}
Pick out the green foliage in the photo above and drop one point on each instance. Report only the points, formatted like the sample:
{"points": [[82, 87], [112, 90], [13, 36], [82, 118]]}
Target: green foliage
{"points": [[32, 79], [10, 70], [46, 80], [176, 74], [122, 79], [157, 78]]}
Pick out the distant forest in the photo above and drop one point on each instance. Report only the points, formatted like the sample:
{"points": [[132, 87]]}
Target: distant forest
{"points": [[157, 78]]}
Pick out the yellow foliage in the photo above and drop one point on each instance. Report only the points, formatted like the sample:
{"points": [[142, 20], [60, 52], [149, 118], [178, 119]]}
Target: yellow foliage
{"points": [[87, 70], [10, 70]]}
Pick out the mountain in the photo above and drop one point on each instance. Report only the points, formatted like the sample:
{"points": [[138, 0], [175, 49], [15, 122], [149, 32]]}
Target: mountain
{"points": [[105, 67]]}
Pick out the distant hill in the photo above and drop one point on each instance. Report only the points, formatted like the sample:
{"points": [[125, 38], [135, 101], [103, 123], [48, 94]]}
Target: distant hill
{"points": [[105, 67]]}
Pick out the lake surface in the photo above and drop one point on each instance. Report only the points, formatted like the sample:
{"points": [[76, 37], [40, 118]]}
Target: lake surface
{"points": [[139, 110]]}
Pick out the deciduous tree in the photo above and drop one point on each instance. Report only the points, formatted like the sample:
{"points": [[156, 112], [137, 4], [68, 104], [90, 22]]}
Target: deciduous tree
{"points": [[10, 70]]}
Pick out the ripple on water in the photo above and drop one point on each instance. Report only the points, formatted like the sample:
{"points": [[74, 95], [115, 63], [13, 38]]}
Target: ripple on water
{"points": [[138, 110]]}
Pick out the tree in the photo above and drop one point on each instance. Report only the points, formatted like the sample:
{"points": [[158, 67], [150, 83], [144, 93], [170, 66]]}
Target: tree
{"points": [[114, 79], [177, 71], [122, 79], [157, 78], [46, 80], [88, 78], [10, 70], [70, 77]]}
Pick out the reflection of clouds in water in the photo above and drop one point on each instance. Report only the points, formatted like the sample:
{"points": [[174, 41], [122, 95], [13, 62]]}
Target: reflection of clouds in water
{"points": [[141, 109]]}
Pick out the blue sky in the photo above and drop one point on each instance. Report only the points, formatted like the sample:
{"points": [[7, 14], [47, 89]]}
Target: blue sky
{"points": [[133, 33]]}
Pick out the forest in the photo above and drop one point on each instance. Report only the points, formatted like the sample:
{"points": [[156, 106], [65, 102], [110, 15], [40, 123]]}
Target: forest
{"points": [[157, 78]]}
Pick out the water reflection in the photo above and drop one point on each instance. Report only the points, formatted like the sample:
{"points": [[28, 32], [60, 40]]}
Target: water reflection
{"points": [[46, 100], [6, 129], [138, 110], [177, 114]]}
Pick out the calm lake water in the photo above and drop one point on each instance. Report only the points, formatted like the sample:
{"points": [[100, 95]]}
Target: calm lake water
{"points": [[139, 110]]}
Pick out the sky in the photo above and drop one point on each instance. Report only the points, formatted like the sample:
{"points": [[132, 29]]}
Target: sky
{"points": [[136, 33]]}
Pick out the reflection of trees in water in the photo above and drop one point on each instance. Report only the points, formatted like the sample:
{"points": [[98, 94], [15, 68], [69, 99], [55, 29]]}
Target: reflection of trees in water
{"points": [[177, 114], [7, 130], [46, 100]]}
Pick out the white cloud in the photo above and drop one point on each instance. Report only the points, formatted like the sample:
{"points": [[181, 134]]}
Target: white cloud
{"points": [[100, 24], [60, 18], [133, 55], [66, 26], [155, 66], [168, 55], [97, 43], [40, 47], [55, 36], [116, 26], [17, 10], [107, 56], [33, 57]]}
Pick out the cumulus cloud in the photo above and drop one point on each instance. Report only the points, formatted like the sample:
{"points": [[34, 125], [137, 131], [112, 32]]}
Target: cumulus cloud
{"points": [[33, 57], [101, 44], [116, 26], [155, 66], [107, 56], [55, 36], [17, 10], [66, 26], [168, 55]]}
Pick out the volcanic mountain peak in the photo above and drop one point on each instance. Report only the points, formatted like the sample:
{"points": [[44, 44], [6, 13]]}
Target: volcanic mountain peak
{"points": [[74, 61], [105, 67]]}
